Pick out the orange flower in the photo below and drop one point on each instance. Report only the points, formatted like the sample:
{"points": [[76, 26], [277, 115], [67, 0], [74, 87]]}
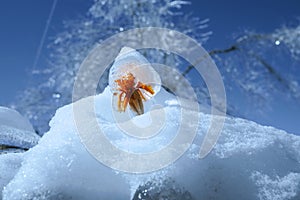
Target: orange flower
{"points": [[131, 93]]}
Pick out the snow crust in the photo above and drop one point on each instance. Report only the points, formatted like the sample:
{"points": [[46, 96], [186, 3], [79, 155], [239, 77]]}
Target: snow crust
{"points": [[14, 137], [15, 131], [249, 161]]}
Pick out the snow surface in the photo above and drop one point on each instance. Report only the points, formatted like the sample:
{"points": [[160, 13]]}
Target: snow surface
{"points": [[14, 137], [10, 117], [9, 165], [15, 131], [250, 161]]}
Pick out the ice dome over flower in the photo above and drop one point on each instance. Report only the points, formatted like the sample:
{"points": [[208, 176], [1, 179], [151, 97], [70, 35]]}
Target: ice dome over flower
{"points": [[133, 80]]}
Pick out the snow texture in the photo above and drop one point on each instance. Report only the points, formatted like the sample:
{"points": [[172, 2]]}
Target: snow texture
{"points": [[249, 162], [9, 165], [15, 131], [14, 137]]}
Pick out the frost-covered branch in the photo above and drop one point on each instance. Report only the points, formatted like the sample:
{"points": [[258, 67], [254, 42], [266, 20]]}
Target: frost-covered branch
{"points": [[254, 63]]}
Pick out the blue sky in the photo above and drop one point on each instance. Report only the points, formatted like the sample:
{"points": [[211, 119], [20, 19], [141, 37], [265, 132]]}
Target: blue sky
{"points": [[229, 17], [22, 25], [23, 22]]}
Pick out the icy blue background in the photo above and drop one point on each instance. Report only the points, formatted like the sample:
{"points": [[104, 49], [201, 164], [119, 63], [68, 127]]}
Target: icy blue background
{"points": [[23, 22]]}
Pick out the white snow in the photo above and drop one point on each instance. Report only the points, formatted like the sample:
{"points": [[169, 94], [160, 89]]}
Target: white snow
{"points": [[277, 188], [14, 137], [9, 165], [10, 117], [250, 161], [16, 130]]}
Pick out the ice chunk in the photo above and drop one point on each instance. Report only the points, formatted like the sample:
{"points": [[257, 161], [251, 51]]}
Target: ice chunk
{"points": [[131, 61]]}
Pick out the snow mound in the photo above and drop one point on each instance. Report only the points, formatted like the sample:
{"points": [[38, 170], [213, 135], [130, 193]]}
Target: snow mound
{"points": [[15, 131], [10, 117], [249, 161], [9, 165], [13, 137], [16, 135]]}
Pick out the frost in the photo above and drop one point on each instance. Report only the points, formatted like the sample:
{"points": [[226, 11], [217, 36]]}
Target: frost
{"points": [[10, 136], [290, 36], [252, 68], [247, 138], [277, 188], [15, 131]]}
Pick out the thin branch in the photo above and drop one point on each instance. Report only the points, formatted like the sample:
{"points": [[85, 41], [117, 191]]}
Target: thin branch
{"points": [[221, 51], [236, 47], [271, 70], [213, 52]]}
